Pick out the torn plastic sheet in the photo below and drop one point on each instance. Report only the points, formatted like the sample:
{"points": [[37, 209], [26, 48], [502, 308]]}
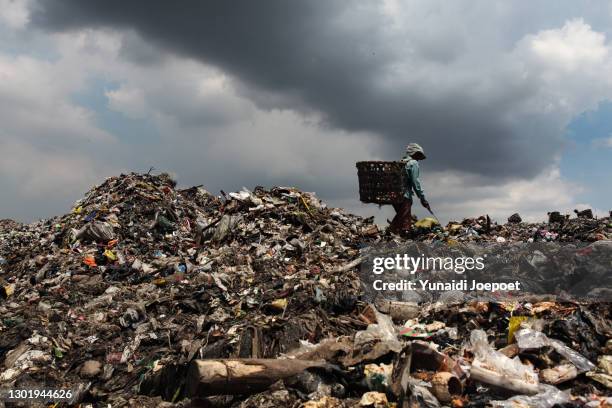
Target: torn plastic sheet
{"points": [[531, 339]]}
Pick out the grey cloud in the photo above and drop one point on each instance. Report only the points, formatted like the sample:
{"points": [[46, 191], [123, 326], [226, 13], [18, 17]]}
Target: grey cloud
{"points": [[342, 59], [138, 51], [197, 112]]}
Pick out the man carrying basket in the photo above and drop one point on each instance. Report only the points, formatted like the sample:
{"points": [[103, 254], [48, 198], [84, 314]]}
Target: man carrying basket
{"points": [[402, 222]]}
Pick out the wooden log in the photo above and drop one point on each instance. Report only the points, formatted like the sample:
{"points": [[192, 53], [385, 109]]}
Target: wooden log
{"points": [[503, 381], [241, 376]]}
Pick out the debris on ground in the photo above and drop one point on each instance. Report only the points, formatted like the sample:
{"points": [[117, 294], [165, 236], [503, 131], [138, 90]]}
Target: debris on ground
{"points": [[515, 219], [149, 295], [482, 229]]}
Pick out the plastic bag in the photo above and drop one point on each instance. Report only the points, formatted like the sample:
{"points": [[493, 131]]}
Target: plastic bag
{"points": [[383, 331], [531, 339], [96, 231], [419, 392], [492, 367], [494, 360]]}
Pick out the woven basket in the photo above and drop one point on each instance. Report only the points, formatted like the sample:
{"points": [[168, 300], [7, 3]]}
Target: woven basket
{"points": [[381, 182]]}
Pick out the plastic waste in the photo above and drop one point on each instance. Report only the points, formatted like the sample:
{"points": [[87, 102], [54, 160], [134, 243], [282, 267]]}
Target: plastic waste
{"points": [[494, 368], [420, 395], [96, 231], [426, 223], [199, 276], [530, 339], [383, 331]]}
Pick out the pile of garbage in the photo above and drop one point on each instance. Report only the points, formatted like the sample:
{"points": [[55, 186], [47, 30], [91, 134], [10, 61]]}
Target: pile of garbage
{"points": [[140, 274], [8, 225], [149, 295], [482, 229]]}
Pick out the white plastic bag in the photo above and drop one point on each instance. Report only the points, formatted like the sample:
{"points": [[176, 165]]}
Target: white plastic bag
{"points": [[492, 367]]}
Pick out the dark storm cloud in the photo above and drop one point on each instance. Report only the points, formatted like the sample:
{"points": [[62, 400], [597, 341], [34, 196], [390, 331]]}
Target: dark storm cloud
{"points": [[336, 58]]}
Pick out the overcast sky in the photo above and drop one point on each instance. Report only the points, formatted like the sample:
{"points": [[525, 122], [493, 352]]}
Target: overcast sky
{"points": [[511, 100]]}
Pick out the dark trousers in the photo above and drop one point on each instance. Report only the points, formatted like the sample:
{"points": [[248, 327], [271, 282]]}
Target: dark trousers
{"points": [[402, 222]]}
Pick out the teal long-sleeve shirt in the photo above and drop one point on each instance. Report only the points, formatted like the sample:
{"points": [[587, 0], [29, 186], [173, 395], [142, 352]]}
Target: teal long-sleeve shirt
{"points": [[413, 183]]}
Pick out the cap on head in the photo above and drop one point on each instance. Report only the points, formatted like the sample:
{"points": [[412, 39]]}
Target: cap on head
{"points": [[414, 148]]}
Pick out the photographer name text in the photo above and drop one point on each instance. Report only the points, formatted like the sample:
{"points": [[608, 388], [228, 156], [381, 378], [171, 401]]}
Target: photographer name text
{"points": [[462, 284]]}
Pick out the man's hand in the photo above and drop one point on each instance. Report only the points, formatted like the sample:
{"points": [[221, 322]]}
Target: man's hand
{"points": [[425, 203]]}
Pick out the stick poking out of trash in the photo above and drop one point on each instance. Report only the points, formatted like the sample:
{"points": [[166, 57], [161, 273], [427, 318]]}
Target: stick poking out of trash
{"points": [[432, 213]]}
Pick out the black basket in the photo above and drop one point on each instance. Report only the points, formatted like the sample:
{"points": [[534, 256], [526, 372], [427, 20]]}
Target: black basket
{"points": [[381, 182]]}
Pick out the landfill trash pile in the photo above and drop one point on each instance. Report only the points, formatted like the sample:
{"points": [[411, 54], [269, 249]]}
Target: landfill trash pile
{"points": [[140, 274], [149, 295], [8, 225], [483, 229]]}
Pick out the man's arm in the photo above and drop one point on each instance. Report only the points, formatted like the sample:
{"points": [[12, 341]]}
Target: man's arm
{"points": [[415, 181]]}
